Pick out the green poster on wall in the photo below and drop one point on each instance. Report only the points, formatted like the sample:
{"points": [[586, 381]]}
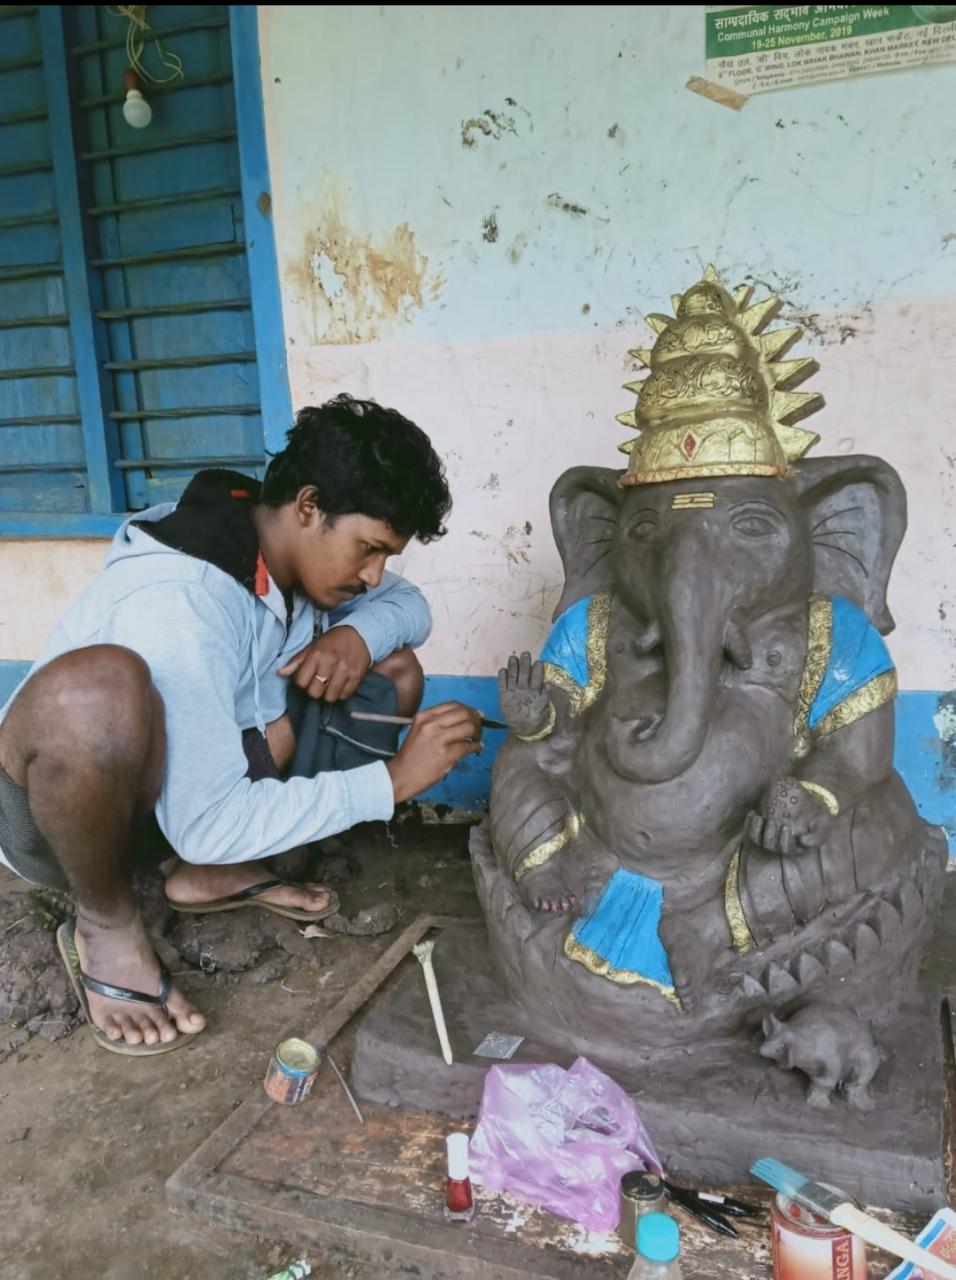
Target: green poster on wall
{"points": [[773, 46]]}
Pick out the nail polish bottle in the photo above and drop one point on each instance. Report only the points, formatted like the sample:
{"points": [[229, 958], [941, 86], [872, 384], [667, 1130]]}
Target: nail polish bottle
{"points": [[459, 1201]]}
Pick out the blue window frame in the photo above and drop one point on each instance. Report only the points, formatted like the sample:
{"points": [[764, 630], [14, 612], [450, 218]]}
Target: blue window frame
{"points": [[140, 323]]}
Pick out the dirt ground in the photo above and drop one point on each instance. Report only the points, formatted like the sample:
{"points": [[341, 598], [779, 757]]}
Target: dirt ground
{"points": [[88, 1138]]}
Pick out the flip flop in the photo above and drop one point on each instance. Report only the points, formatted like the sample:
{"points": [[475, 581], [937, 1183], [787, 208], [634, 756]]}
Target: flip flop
{"points": [[82, 982], [247, 898]]}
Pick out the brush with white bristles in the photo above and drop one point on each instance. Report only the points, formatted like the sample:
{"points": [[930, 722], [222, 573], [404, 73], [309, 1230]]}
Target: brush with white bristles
{"points": [[837, 1208]]}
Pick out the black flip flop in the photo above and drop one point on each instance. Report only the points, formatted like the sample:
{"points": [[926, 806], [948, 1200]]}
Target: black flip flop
{"points": [[82, 982], [247, 898]]}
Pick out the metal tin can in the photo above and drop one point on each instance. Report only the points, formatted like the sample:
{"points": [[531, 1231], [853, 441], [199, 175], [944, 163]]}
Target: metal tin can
{"points": [[292, 1071], [640, 1193], [806, 1247]]}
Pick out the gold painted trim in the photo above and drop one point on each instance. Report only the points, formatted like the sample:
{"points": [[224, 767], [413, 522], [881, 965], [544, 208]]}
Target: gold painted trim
{"points": [[828, 798], [693, 501], [543, 733], [544, 852], [595, 964], [599, 616], [703, 471], [881, 690], [743, 939], [819, 643]]}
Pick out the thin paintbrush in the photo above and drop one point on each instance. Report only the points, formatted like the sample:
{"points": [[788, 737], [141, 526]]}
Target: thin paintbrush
{"points": [[375, 718], [835, 1207]]}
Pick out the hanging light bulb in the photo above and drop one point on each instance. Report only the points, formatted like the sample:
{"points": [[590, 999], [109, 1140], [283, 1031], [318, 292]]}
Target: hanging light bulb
{"points": [[136, 110]]}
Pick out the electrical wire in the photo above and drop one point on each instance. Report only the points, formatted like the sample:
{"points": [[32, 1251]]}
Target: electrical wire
{"points": [[137, 34]]}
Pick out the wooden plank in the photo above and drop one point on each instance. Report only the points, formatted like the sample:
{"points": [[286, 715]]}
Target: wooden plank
{"points": [[311, 1176], [177, 309], [175, 198], [161, 144], [90, 345], [155, 33], [158, 90], [182, 362]]}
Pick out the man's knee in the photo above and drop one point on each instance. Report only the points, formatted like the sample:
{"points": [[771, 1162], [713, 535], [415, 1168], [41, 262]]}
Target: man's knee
{"points": [[405, 671], [104, 693]]}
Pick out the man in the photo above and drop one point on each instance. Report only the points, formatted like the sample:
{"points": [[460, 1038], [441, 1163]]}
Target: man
{"points": [[164, 689]]}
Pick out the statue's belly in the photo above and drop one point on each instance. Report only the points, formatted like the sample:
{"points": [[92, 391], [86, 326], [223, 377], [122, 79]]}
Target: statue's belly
{"points": [[665, 827]]}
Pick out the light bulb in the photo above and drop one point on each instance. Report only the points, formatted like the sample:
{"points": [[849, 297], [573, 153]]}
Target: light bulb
{"points": [[136, 110]]}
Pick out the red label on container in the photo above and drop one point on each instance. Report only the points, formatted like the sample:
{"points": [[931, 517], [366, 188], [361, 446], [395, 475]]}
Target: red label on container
{"points": [[843, 1259]]}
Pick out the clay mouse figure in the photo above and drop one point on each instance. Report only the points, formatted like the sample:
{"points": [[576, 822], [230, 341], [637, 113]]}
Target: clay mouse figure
{"points": [[832, 1046]]}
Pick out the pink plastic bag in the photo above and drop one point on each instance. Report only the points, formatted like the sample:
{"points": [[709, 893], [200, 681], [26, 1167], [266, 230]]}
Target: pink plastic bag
{"points": [[561, 1139]]}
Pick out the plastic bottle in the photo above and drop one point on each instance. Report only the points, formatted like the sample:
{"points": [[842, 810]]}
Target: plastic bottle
{"points": [[658, 1247]]}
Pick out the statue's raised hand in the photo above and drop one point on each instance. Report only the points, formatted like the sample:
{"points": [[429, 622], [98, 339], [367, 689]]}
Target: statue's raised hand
{"points": [[788, 819], [525, 702]]}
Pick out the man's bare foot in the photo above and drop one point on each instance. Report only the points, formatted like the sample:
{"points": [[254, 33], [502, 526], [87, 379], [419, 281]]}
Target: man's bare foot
{"points": [[122, 956], [192, 885]]}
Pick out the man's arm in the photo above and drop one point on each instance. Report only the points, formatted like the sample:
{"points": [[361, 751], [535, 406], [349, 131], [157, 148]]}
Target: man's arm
{"points": [[387, 617], [208, 809]]}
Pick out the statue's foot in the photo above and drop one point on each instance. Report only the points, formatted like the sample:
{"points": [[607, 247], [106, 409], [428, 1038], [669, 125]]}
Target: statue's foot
{"points": [[547, 889], [860, 1098], [819, 1096]]}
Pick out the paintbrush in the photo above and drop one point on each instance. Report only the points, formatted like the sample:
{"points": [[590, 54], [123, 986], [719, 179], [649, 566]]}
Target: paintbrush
{"points": [[375, 718], [837, 1208]]}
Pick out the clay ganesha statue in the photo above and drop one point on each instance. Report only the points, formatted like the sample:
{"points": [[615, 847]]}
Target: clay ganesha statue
{"points": [[695, 822]]}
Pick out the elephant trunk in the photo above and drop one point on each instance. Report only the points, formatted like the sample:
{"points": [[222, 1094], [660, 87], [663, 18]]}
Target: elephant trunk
{"points": [[698, 633]]}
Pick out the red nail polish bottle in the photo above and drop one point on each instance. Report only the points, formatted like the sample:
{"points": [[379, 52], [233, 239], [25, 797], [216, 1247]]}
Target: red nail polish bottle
{"points": [[459, 1201]]}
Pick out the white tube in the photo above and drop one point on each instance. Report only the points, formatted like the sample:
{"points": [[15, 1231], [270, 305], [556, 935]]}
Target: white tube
{"points": [[423, 954]]}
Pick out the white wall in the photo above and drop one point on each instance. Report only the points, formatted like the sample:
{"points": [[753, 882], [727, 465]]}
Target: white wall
{"points": [[474, 206]]}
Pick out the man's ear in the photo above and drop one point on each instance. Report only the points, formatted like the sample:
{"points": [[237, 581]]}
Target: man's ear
{"points": [[307, 510]]}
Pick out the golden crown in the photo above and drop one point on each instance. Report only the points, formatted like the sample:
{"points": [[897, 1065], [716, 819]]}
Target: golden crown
{"points": [[720, 398]]}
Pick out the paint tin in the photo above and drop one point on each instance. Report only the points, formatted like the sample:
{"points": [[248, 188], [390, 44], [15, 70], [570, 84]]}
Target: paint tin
{"points": [[805, 1247], [292, 1070]]}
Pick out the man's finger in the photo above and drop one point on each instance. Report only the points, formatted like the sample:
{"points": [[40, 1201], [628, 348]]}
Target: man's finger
{"points": [[513, 670], [292, 666], [537, 677], [335, 690], [502, 682]]}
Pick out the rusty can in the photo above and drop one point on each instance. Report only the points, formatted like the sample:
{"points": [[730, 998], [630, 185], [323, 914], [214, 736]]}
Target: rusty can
{"points": [[292, 1070], [807, 1247]]}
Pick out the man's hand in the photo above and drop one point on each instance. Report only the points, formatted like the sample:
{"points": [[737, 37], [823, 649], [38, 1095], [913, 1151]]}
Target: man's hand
{"points": [[332, 667], [437, 740], [789, 819]]}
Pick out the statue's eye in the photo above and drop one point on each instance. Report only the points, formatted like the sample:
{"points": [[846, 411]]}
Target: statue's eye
{"points": [[643, 528], [754, 526]]}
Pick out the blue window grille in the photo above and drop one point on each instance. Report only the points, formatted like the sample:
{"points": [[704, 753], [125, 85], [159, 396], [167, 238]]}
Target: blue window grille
{"points": [[140, 324]]}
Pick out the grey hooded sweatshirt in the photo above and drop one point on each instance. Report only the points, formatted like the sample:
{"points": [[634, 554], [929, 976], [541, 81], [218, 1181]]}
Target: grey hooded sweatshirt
{"points": [[214, 641]]}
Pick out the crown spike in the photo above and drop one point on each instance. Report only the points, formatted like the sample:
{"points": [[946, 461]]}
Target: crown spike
{"points": [[710, 274], [788, 374], [628, 419], [778, 343], [643, 354], [742, 295], [634, 386], [795, 441], [788, 407], [756, 318], [627, 446], [676, 300], [658, 322]]}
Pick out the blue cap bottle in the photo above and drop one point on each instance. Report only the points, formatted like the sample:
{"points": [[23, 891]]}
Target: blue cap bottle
{"points": [[658, 1237]]}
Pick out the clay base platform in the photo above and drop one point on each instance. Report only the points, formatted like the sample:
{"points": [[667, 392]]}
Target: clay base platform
{"points": [[709, 1113]]}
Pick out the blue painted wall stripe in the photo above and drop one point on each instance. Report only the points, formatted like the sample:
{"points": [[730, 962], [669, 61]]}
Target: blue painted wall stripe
{"points": [[919, 750], [260, 241]]}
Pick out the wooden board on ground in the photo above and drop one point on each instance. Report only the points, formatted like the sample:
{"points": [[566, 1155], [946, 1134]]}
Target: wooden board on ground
{"points": [[311, 1175]]}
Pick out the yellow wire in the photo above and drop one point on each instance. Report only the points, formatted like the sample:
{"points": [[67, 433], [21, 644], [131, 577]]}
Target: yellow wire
{"points": [[136, 44]]}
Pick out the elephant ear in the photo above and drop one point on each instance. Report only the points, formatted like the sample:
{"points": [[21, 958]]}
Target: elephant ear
{"points": [[857, 514], [584, 508]]}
